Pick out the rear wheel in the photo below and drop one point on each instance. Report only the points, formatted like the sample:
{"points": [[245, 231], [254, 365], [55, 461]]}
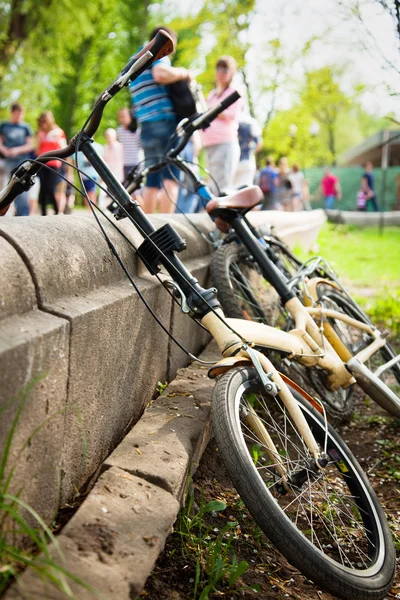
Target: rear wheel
{"points": [[242, 290], [355, 340], [245, 294], [329, 524]]}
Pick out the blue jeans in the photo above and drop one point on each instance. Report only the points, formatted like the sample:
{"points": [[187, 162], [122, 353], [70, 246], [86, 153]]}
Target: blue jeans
{"points": [[155, 138], [188, 201], [330, 201]]}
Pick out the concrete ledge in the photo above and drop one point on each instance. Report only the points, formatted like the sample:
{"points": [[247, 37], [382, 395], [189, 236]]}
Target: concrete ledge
{"points": [[364, 219]]}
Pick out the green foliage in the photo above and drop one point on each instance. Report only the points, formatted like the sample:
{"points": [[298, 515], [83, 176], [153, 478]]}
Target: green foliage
{"points": [[342, 122], [59, 54], [386, 310], [68, 54], [210, 549], [161, 386]]}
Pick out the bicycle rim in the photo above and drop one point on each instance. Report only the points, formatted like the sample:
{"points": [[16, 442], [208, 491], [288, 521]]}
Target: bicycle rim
{"points": [[356, 340], [242, 289], [328, 524]]}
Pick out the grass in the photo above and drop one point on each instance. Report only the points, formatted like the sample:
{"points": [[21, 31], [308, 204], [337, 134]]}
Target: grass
{"points": [[367, 263], [363, 256], [210, 549], [25, 539]]}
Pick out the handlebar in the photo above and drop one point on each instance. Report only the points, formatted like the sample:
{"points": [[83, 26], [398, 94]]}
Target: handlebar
{"points": [[186, 128], [22, 179]]}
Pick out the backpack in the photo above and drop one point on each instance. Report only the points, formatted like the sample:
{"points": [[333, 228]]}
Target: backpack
{"points": [[265, 182], [187, 98]]}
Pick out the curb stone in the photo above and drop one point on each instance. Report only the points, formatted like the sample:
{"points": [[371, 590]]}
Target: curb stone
{"points": [[114, 539]]}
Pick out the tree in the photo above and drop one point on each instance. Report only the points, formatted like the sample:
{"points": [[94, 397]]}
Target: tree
{"points": [[342, 122], [324, 100], [64, 57], [368, 40]]}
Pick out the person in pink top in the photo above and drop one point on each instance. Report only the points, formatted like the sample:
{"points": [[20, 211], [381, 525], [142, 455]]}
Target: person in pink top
{"points": [[220, 140], [330, 189]]}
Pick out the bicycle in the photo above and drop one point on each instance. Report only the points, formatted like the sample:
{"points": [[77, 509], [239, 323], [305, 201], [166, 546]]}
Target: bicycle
{"points": [[246, 261], [300, 482]]}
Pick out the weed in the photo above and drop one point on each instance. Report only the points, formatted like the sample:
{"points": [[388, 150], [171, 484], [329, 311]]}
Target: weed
{"points": [[161, 386], [209, 548], [19, 521]]}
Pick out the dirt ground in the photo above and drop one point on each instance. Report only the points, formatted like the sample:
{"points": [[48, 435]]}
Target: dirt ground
{"points": [[374, 439]]}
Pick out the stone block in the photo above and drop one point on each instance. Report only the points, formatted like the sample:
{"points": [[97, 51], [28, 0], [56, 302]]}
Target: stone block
{"points": [[111, 543]]}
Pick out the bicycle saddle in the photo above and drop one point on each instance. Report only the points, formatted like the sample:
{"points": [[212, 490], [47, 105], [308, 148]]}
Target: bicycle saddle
{"points": [[223, 210]]}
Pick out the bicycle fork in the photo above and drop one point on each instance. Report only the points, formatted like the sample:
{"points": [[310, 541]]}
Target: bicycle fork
{"points": [[232, 347]]}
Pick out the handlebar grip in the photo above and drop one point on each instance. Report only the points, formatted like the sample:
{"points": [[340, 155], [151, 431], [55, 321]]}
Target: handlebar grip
{"points": [[229, 100], [205, 119], [161, 45], [12, 190]]}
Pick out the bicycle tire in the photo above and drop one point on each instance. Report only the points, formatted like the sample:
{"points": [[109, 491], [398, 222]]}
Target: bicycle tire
{"points": [[242, 290], [355, 340], [236, 278], [358, 560]]}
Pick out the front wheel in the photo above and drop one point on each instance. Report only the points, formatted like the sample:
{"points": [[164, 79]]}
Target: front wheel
{"points": [[329, 524]]}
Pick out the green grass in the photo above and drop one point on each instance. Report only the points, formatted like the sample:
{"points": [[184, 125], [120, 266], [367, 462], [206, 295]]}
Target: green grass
{"points": [[210, 550], [363, 256], [368, 264]]}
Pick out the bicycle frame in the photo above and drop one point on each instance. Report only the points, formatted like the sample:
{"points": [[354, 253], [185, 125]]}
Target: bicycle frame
{"points": [[308, 343]]}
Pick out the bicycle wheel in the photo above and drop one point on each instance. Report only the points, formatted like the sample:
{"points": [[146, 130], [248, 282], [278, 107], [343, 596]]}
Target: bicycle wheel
{"points": [[328, 524], [282, 256], [355, 340], [242, 289]]}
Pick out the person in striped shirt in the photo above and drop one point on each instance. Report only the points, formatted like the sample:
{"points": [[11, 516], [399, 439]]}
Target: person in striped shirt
{"points": [[130, 141], [157, 120]]}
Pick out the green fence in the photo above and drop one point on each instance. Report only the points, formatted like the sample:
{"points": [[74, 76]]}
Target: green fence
{"points": [[350, 178]]}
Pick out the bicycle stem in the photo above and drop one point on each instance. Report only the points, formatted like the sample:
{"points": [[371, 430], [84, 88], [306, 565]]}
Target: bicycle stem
{"points": [[199, 300]]}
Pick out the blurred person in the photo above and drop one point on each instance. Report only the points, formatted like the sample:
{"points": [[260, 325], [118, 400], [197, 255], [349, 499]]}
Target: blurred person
{"points": [[364, 194], [49, 137], [90, 177], [330, 189], [61, 189], [114, 154], [250, 142], [157, 119], [114, 159], [284, 185], [306, 195], [268, 181], [69, 199], [370, 177], [296, 178], [130, 141], [220, 140], [188, 199], [16, 145], [33, 197]]}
